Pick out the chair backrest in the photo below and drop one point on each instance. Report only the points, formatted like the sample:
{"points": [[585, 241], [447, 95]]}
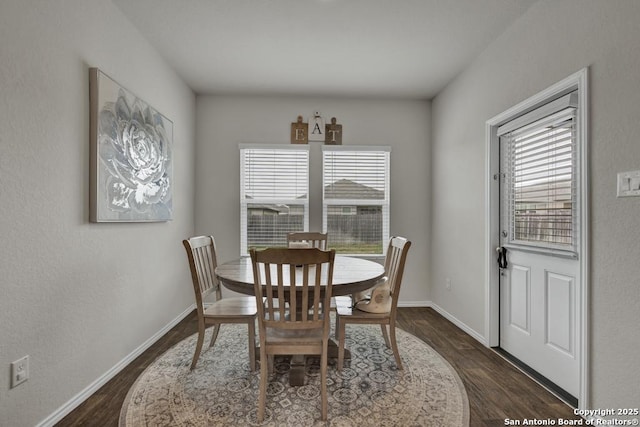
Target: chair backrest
{"points": [[201, 252], [277, 272], [394, 265], [313, 238]]}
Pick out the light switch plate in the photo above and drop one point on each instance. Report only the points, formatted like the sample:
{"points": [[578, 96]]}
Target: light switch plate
{"points": [[628, 184], [19, 371]]}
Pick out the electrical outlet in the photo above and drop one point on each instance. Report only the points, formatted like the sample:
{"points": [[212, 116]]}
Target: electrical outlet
{"points": [[448, 284], [19, 371]]}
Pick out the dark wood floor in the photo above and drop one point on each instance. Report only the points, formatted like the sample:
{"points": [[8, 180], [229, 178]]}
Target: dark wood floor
{"points": [[496, 389]]}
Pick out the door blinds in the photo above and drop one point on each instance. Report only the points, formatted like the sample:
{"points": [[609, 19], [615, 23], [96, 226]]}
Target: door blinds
{"points": [[540, 169]]}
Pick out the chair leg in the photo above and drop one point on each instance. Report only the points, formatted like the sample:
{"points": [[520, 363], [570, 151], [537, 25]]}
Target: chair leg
{"points": [[337, 331], [270, 368], [264, 378], [385, 335], [252, 345], [341, 335], [214, 336], [323, 382], [394, 344], [196, 354]]}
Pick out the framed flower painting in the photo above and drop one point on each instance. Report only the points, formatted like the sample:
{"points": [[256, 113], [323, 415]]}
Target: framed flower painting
{"points": [[131, 159]]}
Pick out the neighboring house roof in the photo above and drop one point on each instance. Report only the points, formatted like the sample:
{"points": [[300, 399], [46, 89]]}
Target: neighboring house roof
{"points": [[341, 189], [347, 189], [279, 209]]}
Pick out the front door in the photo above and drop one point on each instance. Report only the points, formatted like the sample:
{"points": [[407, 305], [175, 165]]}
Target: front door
{"points": [[540, 282]]}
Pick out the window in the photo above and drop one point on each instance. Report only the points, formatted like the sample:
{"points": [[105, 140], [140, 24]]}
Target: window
{"points": [[541, 169], [355, 199], [274, 189]]}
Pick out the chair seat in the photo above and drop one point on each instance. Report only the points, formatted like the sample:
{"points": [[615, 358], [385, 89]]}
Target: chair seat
{"points": [[294, 336], [233, 307]]}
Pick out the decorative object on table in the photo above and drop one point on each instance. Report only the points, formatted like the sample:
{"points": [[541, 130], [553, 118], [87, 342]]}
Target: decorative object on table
{"points": [[299, 132], [333, 133], [222, 391], [131, 160], [376, 300], [316, 127]]}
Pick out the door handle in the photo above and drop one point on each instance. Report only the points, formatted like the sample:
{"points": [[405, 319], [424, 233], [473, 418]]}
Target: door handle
{"points": [[502, 257]]}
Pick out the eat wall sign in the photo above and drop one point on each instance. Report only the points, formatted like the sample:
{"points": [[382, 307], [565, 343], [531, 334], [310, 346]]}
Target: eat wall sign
{"points": [[316, 130]]}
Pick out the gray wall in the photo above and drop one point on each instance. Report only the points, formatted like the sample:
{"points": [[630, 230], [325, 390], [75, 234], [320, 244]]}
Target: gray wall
{"points": [[78, 297], [225, 121], [551, 41]]}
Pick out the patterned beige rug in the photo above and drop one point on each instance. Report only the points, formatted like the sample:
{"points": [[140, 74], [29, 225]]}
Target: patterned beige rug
{"points": [[221, 391]]}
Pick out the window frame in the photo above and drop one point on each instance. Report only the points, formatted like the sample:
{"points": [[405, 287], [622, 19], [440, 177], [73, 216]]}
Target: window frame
{"points": [[245, 149], [384, 203]]}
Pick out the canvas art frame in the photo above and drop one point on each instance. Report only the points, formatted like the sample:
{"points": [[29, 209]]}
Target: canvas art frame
{"points": [[131, 155]]}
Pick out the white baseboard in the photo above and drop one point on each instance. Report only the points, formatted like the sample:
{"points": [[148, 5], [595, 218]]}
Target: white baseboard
{"points": [[75, 401], [414, 303], [447, 316], [478, 337]]}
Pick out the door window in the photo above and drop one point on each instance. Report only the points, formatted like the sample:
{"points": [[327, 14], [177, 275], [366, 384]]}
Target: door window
{"points": [[540, 171]]}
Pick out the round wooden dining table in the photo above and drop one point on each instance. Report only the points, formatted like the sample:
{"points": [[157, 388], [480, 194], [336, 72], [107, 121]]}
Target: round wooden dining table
{"points": [[350, 275]]}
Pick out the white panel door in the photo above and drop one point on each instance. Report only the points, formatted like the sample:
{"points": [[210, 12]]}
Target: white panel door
{"points": [[540, 284], [538, 315]]}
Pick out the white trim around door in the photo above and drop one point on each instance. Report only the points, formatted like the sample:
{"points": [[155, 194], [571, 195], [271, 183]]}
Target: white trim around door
{"points": [[578, 81]]}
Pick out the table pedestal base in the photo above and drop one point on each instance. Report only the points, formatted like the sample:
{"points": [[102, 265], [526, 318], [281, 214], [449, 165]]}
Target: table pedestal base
{"points": [[296, 369], [297, 363]]}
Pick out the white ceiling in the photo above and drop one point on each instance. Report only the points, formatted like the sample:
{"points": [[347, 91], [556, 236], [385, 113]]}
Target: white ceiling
{"points": [[373, 48]]}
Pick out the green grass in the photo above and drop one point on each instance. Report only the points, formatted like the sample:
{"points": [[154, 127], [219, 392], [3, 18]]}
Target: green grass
{"points": [[371, 248], [364, 249]]}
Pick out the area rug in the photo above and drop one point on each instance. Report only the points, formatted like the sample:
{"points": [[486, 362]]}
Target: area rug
{"points": [[369, 391]]}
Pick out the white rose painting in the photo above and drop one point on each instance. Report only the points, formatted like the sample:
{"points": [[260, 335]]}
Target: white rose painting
{"points": [[131, 178]]}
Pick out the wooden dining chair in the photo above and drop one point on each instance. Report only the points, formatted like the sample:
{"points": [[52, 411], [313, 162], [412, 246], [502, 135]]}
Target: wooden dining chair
{"points": [[346, 313], [292, 322], [312, 238], [201, 252]]}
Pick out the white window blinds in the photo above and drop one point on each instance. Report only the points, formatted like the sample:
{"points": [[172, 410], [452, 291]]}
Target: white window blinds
{"points": [[356, 198], [541, 173], [274, 194]]}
